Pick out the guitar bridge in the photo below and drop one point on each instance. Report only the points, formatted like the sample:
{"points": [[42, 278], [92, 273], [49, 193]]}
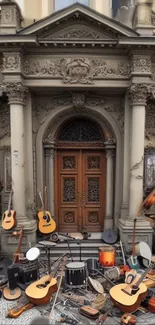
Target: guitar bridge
{"points": [[128, 293]]}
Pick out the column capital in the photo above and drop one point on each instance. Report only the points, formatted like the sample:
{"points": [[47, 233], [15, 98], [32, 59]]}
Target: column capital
{"points": [[139, 93], [16, 92], [50, 152], [110, 153]]}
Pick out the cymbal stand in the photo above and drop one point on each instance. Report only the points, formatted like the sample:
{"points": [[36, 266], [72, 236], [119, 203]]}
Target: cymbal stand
{"points": [[69, 250]]}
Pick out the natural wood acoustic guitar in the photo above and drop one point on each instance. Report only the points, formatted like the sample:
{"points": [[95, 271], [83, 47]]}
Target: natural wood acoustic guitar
{"points": [[9, 216], [46, 223], [40, 291], [16, 293], [129, 297]]}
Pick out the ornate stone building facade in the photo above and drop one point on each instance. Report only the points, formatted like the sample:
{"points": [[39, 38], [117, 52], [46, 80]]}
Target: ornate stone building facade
{"points": [[77, 115]]}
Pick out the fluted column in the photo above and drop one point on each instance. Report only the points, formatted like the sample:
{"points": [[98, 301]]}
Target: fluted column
{"points": [[110, 155], [17, 95], [139, 94]]}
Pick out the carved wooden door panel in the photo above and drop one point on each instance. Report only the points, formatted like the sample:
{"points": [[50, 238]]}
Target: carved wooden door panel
{"points": [[80, 190], [93, 190], [67, 189]]}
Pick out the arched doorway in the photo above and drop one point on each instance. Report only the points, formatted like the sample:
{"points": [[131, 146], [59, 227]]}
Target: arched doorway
{"points": [[80, 176]]}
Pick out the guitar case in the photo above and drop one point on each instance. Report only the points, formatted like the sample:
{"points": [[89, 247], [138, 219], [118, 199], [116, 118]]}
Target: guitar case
{"points": [[109, 236], [89, 312]]}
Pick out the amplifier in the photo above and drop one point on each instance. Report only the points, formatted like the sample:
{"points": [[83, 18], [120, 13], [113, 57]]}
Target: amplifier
{"points": [[28, 272]]}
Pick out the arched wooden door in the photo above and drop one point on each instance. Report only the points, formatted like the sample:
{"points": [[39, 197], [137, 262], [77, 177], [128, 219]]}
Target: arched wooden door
{"points": [[80, 180]]}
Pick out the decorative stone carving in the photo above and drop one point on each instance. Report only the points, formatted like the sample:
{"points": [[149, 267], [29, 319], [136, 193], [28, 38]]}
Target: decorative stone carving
{"points": [[110, 153], [139, 93], [80, 33], [104, 68], [141, 64], [78, 100], [16, 93], [76, 70], [4, 120], [110, 141], [42, 109], [11, 62], [153, 72], [153, 19], [7, 16]]}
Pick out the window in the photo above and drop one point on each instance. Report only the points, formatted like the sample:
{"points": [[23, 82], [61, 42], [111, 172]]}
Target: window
{"points": [[60, 4], [115, 6]]}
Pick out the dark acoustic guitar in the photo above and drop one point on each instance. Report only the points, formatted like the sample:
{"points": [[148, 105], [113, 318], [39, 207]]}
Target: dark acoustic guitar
{"points": [[9, 216], [46, 223]]}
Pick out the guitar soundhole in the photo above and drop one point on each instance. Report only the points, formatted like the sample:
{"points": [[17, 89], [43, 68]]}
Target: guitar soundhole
{"points": [[134, 289], [43, 285], [9, 214], [47, 218]]}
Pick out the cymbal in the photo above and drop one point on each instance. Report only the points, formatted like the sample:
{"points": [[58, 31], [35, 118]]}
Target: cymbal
{"points": [[46, 243]]}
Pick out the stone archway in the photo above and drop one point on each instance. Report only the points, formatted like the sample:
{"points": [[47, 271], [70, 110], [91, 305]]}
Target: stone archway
{"points": [[109, 128]]}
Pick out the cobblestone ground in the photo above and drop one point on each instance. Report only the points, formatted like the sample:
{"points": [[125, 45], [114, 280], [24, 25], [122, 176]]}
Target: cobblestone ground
{"points": [[28, 316]]}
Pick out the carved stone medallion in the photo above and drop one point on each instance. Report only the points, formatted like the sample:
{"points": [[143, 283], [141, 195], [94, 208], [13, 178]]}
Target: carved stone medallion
{"points": [[78, 100], [77, 70]]}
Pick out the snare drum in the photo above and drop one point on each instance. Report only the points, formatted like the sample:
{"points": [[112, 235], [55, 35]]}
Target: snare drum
{"points": [[75, 274]]}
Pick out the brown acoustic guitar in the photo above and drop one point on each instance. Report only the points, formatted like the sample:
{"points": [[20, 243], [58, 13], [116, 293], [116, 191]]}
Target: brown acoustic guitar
{"points": [[46, 223], [15, 294], [9, 216], [129, 297]]}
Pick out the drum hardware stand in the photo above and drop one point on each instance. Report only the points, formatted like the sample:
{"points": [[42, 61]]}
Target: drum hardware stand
{"points": [[112, 283], [69, 250], [79, 243]]}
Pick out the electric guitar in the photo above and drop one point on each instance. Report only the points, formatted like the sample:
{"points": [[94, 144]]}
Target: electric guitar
{"points": [[133, 261], [46, 223], [129, 297], [9, 216]]}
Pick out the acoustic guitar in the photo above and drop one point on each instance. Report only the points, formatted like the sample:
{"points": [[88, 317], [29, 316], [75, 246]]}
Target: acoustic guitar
{"points": [[9, 216], [46, 222], [147, 203], [129, 297], [14, 293], [40, 291]]}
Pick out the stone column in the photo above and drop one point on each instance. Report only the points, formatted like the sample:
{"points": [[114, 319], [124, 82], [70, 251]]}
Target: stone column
{"points": [[126, 160], [17, 95], [139, 93], [49, 154], [138, 100], [110, 154]]}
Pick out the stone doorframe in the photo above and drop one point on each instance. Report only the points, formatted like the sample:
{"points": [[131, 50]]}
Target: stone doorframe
{"points": [[53, 122]]}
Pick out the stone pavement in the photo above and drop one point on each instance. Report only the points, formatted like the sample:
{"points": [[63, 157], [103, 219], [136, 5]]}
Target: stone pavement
{"points": [[28, 316]]}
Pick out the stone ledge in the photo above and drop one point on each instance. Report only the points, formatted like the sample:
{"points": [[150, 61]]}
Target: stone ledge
{"points": [[144, 232]]}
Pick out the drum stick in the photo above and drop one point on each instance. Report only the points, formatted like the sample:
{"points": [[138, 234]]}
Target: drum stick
{"points": [[124, 261]]}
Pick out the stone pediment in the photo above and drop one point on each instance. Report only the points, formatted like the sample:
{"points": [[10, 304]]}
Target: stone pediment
{"points": [[77, 22]]}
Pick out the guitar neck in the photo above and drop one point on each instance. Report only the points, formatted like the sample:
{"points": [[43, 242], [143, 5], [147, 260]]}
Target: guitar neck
{"points": [[19, 244], [143, 276], [9, 204], [133, 240]]}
